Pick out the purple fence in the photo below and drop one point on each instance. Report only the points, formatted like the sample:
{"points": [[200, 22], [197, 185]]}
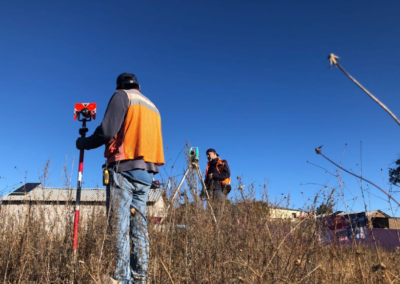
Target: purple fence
{"points": [[384, 238]]}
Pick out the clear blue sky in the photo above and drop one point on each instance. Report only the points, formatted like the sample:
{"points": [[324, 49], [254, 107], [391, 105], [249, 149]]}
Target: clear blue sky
{"points": [[248, 78]]}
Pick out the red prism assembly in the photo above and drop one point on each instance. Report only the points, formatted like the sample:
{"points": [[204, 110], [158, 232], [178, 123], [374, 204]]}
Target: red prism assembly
{"points": [[86, 109]]}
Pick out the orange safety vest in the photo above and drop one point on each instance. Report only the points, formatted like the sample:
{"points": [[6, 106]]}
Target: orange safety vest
{"points": [[140, 135], [219, 162]]}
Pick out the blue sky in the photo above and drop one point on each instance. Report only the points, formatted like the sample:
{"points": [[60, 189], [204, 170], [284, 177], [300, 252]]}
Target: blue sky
{"points": [[248, 78]]}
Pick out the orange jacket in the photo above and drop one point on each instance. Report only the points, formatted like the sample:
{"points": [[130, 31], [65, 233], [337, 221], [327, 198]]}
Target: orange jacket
{"points": [[140, 135], [220, 166]]}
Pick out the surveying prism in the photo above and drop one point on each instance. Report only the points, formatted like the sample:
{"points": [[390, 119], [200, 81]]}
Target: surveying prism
{"points": [[84, 112]]}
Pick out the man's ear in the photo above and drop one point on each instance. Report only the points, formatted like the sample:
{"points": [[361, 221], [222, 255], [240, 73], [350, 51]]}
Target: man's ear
{"points": [[139, 87]]}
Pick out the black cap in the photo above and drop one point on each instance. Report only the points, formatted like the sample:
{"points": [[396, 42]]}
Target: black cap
{"points": [[211, 150], [126, 79]]}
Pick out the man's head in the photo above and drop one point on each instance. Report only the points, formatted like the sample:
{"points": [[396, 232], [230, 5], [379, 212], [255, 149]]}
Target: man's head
{"points": [[211, 154], [127, 81]]}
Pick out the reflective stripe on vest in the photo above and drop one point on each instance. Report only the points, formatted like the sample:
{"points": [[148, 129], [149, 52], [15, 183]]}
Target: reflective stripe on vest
{"points": [[140, 135], [219, 162]]}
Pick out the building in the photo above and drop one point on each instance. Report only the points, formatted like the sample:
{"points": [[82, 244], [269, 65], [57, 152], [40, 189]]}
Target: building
{"points": [[59, 202], [285, 213], [375, 219]]}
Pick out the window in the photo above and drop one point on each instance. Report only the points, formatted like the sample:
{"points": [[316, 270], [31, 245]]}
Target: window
{"points": [[293, 215]]}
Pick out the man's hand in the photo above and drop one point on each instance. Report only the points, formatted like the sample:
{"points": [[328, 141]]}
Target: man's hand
{"points": [[210, 176], [79, 143]]}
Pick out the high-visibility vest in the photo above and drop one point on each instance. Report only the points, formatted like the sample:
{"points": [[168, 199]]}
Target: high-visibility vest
{"points": [[140, 135], [219, 162]]}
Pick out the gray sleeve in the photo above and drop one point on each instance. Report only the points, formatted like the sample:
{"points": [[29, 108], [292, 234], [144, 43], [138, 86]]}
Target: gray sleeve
{"points": [[112, 122]]}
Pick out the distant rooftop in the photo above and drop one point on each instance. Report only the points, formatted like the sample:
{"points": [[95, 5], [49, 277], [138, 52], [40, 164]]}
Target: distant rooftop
{"points": [[368, 213], [284, 208], [343, 213], [35, 192]]}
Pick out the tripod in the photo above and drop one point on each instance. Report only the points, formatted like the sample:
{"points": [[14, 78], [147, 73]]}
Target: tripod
{"points": [[194, 166]]}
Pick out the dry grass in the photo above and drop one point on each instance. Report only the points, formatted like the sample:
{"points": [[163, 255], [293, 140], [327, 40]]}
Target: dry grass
{"points": [[246, 246], [36, 250]]}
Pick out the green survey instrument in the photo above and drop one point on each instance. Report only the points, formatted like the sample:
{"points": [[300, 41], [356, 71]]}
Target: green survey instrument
{"points": [[194, 154]]}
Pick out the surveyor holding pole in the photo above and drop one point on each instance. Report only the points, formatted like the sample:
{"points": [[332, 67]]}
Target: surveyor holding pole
{"points": [[218, 176], [131, 132]]}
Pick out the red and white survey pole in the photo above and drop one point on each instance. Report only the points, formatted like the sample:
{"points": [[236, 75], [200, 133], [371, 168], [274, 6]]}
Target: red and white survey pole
{"points": [[87, 111]]}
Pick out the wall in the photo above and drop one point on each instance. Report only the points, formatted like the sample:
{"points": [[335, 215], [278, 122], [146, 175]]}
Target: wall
{"points": [[55, 217], [394, 223], [157, 209], [283, 213]]}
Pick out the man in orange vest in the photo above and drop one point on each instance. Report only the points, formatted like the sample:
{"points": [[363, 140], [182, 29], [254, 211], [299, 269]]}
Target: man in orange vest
{"points": [[131, 132], [218, 176]]}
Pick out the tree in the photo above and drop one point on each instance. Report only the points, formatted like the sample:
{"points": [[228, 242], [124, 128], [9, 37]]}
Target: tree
{"points": [[324, 209], [394, 173]]}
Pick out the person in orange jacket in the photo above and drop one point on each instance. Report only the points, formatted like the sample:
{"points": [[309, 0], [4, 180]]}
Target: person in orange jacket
{"points": [[131, 133], [218, 176]]}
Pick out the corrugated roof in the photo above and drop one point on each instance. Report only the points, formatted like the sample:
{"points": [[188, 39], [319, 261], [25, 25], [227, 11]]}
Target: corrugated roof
{"points": [[154, 194], [59, 194], [40, 193], [342, 213], [368, 213], [284, 208]]}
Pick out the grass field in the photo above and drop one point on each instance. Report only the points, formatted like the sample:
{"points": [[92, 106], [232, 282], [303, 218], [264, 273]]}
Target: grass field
{"points": [[244, 246]]}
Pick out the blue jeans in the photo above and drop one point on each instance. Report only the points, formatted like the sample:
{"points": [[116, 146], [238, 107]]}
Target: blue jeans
{"points": [[218, 198], [218, 195], [130, 230]]}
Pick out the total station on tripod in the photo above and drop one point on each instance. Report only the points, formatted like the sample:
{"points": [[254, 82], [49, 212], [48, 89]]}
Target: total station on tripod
{"points": [[194, 154], [84, 112]]}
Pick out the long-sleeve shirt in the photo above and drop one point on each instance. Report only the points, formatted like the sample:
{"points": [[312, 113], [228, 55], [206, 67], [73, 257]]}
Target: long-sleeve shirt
{"points": [[215, 182], [109, 127]]}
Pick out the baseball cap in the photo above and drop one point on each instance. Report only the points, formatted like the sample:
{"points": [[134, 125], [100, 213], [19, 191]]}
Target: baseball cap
{"points": [[211, 150], [126, 78]]}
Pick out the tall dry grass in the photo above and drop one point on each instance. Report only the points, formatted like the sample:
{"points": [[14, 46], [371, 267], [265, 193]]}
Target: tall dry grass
{"points": [[246, 245], [35, 248]]}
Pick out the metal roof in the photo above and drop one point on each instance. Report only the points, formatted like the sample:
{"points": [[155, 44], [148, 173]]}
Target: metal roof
{"points": [[155, 194], [343, 213], [368, 213], [54, 194], [284, 208]]}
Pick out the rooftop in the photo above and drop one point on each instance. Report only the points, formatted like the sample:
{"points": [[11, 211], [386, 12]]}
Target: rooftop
{"points": [[368, 213], [35, 192], [343, 213]]}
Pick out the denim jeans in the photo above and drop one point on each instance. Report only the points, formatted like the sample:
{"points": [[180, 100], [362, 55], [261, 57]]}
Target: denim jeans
{"points": [[129, 230], [218, 199], [218, 195]]}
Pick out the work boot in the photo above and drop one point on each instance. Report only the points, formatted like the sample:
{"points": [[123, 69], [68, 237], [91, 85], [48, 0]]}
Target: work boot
{"points": [[113, 281], [105, 279]]}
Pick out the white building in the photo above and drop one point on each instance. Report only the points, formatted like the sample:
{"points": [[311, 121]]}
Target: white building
{"points": [[285, 213], [58, 203]]}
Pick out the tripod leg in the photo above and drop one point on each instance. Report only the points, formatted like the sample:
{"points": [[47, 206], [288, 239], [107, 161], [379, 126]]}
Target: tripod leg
{"points": [[202, 182], [208, 197], [176, 192], [201, 178], [180, 184]]}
